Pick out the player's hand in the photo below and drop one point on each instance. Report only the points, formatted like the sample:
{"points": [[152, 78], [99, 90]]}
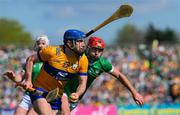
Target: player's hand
{"points": [[138, 98], [74, 97], [11, 75], [27, 85]]}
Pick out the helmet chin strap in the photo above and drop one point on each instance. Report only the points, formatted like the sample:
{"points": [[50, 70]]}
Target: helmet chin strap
{"points": [[73, 48]]}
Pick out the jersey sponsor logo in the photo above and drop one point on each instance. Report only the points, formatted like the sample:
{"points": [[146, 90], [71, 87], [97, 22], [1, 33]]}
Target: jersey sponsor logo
{"points": [[57, 73], [62, 74], [94, 72], [97, 71]]}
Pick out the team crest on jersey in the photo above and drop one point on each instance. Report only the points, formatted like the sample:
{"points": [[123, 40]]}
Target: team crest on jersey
{"points": [[74, 66]]}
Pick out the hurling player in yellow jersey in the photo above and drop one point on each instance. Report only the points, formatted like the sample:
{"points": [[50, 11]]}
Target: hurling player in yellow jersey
{"points": [[60, 63]]}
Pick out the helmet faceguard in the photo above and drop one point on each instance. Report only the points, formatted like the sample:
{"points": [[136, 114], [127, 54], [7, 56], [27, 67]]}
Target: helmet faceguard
{"points": [[95, 48], [73, 36]]}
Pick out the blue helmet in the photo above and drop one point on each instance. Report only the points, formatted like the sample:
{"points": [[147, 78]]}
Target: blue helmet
{"points": [[74, 35]]}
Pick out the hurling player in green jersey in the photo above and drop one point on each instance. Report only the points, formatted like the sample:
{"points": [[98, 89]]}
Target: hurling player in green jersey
{"points": [[25, 106], [97, 65]]}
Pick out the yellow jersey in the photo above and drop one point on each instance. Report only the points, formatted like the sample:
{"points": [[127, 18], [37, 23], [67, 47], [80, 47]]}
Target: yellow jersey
{"points": [[59, 67]]}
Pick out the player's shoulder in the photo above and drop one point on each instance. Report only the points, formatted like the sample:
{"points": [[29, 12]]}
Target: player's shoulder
{"points": [[83, 57], [103, 60], [47, 48], [52, 47]]}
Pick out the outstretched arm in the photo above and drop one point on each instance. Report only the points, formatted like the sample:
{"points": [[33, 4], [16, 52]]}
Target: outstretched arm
{"points": [[138, 98], [13, 77]]}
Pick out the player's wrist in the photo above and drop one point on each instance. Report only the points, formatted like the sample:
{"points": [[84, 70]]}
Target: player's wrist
{"points": [[74, 97]]}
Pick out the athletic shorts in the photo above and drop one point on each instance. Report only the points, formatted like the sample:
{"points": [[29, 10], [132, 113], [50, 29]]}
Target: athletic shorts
{"points": [[55, 104], [25, 102]]}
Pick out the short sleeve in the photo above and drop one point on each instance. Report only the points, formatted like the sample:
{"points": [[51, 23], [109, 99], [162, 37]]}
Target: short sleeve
{"points": [[83, 63], [107, 66], [46, 53]]}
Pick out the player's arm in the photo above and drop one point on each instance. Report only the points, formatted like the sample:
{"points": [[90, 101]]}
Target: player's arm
{"points": [[42, 55], [13, 77], [83, 76], [82, 79], [123, 79], [28, 70], [82, 85], [80, 90]]}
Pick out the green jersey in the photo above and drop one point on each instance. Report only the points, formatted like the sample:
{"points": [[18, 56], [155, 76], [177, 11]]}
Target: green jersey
{"points": [[94, 70], [35, 71]]}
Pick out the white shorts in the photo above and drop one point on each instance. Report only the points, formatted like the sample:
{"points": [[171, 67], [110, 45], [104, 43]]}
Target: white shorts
{"points": [[26, 102]]}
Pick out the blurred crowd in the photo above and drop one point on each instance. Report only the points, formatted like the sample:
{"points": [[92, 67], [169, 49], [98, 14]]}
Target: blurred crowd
{"points": [[154, 72], [14, 59]]}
